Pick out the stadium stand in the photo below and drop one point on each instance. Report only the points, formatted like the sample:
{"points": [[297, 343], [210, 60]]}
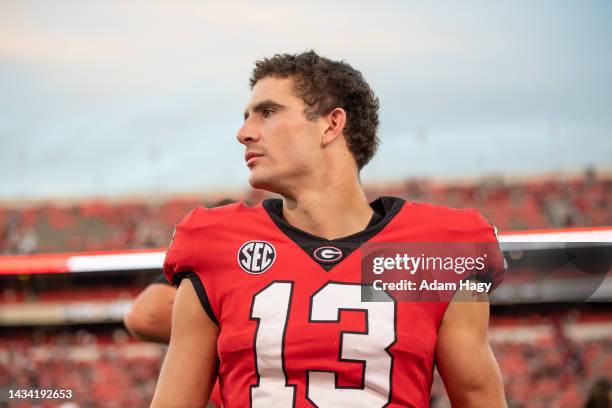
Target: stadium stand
{"points": [[579, 201], [102, 366]]}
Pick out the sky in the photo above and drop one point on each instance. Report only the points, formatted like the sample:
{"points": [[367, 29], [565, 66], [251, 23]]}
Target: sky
{"points": [[120, 98]]}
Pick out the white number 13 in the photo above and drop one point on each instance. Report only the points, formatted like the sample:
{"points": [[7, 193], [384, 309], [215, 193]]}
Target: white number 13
{"points": [[271, 308]]}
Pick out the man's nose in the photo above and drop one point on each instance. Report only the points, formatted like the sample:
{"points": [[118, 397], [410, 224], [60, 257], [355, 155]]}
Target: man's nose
{"points": [[247, 133]]}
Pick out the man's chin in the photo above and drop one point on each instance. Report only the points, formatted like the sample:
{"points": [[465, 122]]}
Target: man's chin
{"points": [[261, 183]]}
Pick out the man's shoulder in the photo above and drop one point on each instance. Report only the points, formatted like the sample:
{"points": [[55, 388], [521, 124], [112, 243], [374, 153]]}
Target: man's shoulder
{"points": [[459, 217], [202, 217], [215, 229]]}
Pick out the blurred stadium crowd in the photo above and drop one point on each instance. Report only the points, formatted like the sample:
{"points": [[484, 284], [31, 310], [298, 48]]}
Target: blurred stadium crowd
{"points": [[102, 367], [580, 201]]}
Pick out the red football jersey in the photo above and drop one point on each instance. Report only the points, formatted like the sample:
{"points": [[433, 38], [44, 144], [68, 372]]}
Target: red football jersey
{"points": [[294, 331]]}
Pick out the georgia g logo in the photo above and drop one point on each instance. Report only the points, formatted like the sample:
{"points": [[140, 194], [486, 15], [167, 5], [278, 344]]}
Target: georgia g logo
{"points": [[256, 257], [328, 254]]}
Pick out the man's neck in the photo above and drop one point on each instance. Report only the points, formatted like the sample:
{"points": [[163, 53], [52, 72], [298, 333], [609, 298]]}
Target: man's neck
{"points": [[329, 213]]}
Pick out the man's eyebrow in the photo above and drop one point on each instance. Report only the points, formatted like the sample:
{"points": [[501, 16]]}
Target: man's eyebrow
{"points": [[260, 106]]}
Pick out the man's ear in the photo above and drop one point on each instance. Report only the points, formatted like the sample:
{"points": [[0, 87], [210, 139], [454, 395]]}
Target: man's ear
{"points": [[334, 122]]}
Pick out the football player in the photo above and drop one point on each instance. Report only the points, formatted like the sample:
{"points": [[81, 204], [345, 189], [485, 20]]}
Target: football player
{"points": [[269, 297]]}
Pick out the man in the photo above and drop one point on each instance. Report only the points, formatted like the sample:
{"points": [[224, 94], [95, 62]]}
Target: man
{"points": [[271, 304]]}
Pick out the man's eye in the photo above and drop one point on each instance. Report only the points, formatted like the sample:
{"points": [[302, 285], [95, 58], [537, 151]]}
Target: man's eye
{"points": [[266, 112]]}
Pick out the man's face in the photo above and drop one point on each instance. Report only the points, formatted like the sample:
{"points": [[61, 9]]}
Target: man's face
{"points": [[282, 146]]}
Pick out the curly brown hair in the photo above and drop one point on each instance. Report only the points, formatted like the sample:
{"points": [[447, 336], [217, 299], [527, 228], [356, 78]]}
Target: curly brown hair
{"points": [[324, 85]]}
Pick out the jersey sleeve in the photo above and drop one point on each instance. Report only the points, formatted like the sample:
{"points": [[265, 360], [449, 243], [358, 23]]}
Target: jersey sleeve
{"points": [[179, 257], [179, 262], [488, 246]]}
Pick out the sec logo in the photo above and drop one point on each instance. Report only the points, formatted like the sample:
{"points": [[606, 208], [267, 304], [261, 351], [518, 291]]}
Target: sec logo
{"points": [[256, 257], [328, 254]]}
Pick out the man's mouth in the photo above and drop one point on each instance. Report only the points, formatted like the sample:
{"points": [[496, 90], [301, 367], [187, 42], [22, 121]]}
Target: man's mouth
{"points": [[251, 157]]}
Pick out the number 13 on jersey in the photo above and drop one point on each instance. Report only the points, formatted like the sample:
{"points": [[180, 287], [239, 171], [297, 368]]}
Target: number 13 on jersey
{"points": [[271, 308]]}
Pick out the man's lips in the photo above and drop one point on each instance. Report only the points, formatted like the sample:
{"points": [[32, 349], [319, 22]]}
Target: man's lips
{"points": [[250, 157]]}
